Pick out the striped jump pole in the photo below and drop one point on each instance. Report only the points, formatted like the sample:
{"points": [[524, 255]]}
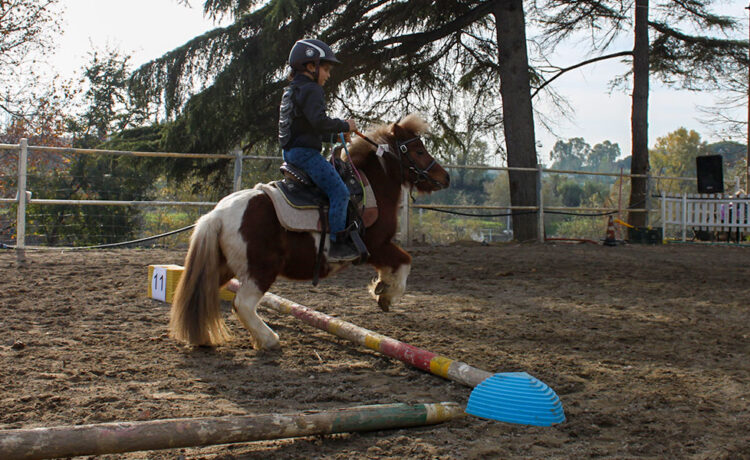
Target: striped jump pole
{"points": [[411, 355], [514, 397], [114, 438]]}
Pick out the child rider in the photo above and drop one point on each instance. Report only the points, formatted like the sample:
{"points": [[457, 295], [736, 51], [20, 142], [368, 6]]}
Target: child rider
{"points": [[303, 124]]}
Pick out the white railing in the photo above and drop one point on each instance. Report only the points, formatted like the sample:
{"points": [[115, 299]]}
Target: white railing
{"points": [[706, 212]]}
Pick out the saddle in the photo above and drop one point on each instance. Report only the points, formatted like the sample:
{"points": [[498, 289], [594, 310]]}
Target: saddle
{"points": [[297, 200], [301, 206]]}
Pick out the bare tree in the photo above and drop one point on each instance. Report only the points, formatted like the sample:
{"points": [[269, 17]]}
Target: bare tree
{"points": [[27, 30]]}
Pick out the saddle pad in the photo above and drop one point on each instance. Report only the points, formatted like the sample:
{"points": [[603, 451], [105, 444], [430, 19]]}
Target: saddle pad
{"points": [[291, 218], [308, 220]]}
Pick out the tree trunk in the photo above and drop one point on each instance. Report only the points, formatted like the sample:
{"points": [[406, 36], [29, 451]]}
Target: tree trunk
{"points": [[518, 116], [639, 120]]}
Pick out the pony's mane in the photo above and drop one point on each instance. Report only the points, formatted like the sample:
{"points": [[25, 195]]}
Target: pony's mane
{"points": [[414, 123]]}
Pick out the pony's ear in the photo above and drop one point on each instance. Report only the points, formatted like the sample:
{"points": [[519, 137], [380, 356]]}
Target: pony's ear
{"points": [[398, 132]]}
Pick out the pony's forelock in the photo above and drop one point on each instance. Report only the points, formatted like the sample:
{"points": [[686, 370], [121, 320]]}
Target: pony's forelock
{"points": [[414, 123]]}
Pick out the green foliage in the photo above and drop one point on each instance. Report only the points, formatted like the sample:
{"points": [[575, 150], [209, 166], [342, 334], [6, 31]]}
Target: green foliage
{"points": [[570, 192], [497, 191], [107, 79], [577, 155], [109, 106], [592, 228], [674, 155], [98, 177], [570, 155]]}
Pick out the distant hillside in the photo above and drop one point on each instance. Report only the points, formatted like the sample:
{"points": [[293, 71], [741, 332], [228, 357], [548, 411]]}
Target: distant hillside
{"points": [[732, 152]]}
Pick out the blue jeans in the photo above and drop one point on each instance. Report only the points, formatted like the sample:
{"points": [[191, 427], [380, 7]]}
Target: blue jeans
{"points": [[325, 177]]}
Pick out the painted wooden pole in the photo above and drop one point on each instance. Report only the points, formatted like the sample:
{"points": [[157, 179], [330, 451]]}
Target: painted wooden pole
{"points": [[417, 357], [112, 438]]}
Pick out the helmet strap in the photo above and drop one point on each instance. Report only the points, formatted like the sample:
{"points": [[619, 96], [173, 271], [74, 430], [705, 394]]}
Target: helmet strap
{"points": [[317, 70]]}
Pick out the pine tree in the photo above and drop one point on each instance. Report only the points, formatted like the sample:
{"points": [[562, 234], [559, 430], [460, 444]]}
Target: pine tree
{"points": [[222, 89]]}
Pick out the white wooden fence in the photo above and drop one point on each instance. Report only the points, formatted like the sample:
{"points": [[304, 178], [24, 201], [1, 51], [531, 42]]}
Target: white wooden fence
{"points": [[706, 212]]}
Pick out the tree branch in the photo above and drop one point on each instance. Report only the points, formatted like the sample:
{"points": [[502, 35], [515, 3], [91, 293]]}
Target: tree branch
{"points": [[409, 42], [695, 40], [581, 64]]}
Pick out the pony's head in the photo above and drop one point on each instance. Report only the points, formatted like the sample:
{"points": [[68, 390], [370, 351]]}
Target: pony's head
{"points": [[407, 155]]}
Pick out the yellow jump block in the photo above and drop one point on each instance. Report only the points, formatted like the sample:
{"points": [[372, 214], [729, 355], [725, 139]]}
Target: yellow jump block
{"points": [[163, 279]]}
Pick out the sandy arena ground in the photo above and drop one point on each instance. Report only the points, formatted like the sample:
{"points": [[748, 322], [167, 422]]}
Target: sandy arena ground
{"points": [[647, 347]]}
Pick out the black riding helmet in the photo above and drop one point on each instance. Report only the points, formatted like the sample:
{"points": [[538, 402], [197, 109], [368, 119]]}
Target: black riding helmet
{"points": [[310, 50]]}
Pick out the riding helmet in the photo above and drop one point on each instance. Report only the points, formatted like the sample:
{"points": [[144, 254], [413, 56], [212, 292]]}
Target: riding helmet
{"points": [[310, 50]]}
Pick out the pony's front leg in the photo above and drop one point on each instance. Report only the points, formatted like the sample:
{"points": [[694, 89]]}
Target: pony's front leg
{"points": [[393, 265], [245, 306]]}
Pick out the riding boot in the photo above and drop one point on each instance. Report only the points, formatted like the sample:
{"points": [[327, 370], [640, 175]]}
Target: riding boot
{"points": [[343, 249]]}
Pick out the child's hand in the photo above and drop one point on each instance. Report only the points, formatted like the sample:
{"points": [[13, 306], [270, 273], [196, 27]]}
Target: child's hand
{"points": [[347, 137], [352, 125]]}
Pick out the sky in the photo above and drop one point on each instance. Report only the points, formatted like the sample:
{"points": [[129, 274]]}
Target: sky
{"points": [[146, 29]]}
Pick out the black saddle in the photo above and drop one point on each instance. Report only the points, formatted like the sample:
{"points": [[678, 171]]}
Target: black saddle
{"points": [[302, 193], [299, 189]]}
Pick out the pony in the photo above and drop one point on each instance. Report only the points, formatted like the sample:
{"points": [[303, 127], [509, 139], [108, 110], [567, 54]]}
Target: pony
{"points": [[243, 238]]}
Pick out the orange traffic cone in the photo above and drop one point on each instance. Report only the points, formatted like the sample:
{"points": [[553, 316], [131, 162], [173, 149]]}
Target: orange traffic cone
{"points": [[610, 240]]}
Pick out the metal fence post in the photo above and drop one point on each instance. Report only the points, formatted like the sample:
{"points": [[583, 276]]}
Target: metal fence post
{"points": [[540, 202], [21, 213], [237, 170]]}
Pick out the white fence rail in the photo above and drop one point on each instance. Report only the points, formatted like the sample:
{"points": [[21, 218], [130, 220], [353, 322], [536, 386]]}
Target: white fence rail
{"points": [[706, 212]]}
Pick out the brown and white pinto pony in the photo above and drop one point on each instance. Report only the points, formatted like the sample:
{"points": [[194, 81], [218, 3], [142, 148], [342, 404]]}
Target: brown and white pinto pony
{"points": [[242, 237]]}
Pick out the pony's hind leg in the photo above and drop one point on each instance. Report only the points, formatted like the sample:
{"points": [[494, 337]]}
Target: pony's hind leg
{"points": [[245, 306]]}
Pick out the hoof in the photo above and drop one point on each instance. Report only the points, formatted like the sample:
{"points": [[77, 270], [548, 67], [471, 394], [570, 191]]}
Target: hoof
{"points": [[384, 303], [272, 347], [380, 288], [269, 344], [272, 343]]}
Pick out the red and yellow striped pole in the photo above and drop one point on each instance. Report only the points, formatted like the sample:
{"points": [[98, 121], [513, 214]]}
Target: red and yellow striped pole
{"points": [[417, 357]]}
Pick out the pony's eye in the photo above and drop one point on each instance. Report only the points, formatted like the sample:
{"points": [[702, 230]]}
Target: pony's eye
{"points": [[420, 152]]}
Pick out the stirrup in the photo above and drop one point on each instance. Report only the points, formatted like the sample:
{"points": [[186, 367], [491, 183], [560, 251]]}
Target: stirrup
{"points": [[364, 254]]}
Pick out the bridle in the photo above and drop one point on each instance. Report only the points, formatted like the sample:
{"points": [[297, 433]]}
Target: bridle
{"points": [[421, 174]]}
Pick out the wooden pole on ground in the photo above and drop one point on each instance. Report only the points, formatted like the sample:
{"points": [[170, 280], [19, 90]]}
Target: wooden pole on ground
{"points": [[112, 438], [417, 357]]}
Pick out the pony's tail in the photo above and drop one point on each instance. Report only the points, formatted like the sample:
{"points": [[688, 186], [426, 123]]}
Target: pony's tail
{"points": [[195, 317]]}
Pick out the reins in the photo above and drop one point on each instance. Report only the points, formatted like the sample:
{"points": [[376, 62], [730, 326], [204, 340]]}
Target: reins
{"points": [[356, 171], [366, 138]]}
